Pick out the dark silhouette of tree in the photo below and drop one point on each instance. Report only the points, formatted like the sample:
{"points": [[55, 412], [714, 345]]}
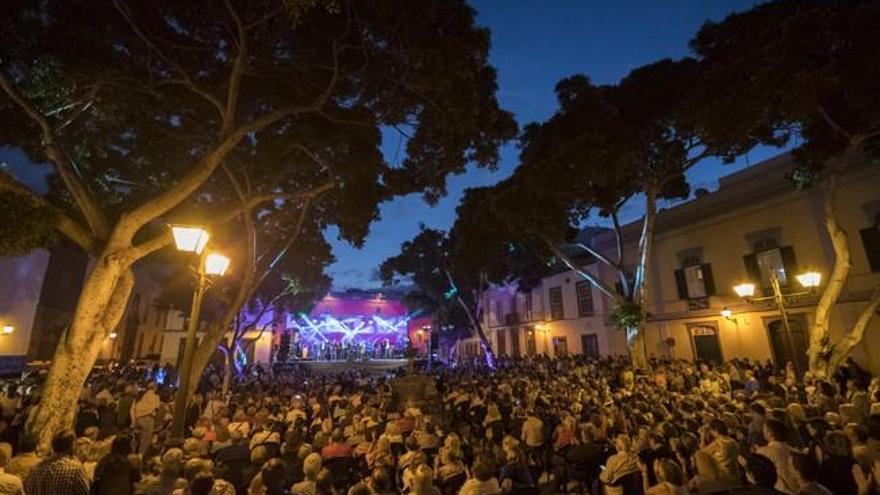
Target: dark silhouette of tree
{"points": [[805, 69]]}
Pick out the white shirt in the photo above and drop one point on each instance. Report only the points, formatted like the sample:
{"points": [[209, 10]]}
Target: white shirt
{"points": [[780, 454], [146, 406]]}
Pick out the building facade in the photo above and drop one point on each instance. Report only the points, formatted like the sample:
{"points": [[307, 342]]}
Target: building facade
{"points": [[756, 224]]}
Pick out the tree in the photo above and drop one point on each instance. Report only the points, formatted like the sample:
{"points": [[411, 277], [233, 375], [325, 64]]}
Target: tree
{"points": [[805, 68], [137, 104], [603, 147], [451, 297]]}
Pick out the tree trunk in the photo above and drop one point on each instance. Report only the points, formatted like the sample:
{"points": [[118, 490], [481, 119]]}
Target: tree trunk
{"points": [[638, 341], [638, 348], [228, 357], [478, 329], [99, 308], [844, 347], [820, 351]]}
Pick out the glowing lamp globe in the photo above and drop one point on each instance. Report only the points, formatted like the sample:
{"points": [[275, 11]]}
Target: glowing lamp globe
{"points": [[113, 335], [810, 280], [190, 239], [8, 329], [216, 264], [744, 290], [726, 313]]}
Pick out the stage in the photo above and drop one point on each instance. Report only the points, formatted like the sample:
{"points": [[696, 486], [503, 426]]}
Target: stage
{"points": [[372, 366]]}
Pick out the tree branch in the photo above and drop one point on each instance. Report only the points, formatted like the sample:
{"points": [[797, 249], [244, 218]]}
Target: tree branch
{"points": [[67, 226], [602, 286], [186, 81], [235, 74], [85, 201], [844, 347]]}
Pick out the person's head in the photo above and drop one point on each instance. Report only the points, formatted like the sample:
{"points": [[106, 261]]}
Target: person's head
{"points": [[483, 469], [5, 453], [192, 448], [423, 480], [27, 443], [805, 466], [837, 444], [202, 484], [856, 432], [380, 480], [312, 466], [62, 442], [337, 436], [259, 455], [193, 467], [760, 470], [775, 430], [172, 461], [669, 471], [273, 473], [121, 445], [718, 428]]}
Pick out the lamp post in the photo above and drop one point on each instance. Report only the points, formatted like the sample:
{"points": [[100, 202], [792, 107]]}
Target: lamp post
{"points": [[809, 280], [193, 240]]}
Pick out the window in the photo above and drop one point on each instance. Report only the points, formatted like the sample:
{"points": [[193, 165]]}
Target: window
{"points": [[590, 345], [557, 309], [584, 298], [871, 241], [770, 261], [695, 284], [775, 260], [502, 343], [499, 312]]}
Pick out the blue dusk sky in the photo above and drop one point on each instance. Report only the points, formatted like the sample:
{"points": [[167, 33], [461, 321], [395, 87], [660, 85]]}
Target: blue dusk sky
{"points": [[535, 43]]}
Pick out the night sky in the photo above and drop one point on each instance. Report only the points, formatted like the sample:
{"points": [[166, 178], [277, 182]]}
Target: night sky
{"points": [[534, 44]]}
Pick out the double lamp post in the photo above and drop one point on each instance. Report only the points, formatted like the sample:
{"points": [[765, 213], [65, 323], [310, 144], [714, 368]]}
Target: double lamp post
{"points": [[193, 240]]}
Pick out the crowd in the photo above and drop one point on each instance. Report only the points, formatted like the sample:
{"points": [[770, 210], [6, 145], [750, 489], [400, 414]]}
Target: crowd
{"points": [[532, 425]]}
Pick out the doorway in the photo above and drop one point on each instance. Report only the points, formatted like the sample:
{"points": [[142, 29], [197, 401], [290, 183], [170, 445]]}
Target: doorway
{"points": [[560, 346], [590, 345], [707, 348], [531, 346], [783, 350], [514, 342]]}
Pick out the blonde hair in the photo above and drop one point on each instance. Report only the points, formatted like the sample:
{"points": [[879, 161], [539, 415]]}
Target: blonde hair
{"points": [[312, 466], [423, 480]]}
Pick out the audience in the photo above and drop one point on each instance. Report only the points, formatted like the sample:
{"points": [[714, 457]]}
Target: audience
{"points": [[529, 425]]}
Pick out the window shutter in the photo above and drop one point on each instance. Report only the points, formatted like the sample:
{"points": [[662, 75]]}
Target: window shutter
{"points": [[753, 271], [681, 284], [790, 264], [708, 280], [871, 242]]}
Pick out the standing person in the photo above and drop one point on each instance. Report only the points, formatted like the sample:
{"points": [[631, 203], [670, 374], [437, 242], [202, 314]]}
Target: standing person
{"points": [[9, 483], [779, 453], [123, 407], [61, 473], [143, 416]]}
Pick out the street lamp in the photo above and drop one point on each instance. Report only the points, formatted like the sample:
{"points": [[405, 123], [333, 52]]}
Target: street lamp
{"points": [[8, 329], [191, 239], [744, 290], [809, 279]]}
